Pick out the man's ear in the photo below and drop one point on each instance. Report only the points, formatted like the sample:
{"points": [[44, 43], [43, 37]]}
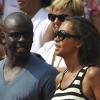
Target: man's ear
{"points": [[2, 38]]}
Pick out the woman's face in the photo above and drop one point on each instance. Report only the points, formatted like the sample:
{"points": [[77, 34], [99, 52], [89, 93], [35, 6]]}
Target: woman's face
{"points": [[60, 17], [67, 42]]}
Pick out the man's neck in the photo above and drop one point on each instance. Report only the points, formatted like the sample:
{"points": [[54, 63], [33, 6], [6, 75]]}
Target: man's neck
{"points": [[13, 61]]}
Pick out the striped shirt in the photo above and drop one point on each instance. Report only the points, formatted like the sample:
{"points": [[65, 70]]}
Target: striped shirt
{"points": [[74, 90]]}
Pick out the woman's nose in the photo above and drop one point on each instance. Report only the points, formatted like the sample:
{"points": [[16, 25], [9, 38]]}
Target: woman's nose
{"points": [[57, 23], [56, 20]]}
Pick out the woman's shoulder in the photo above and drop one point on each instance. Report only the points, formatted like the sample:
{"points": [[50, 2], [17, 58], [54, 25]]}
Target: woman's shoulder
{"points": [[92, 82], [93, 73]]}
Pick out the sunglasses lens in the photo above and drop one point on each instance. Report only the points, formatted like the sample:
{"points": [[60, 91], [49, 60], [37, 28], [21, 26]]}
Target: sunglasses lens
{"points": [[51, 17], [62, 17], [60, 35]]}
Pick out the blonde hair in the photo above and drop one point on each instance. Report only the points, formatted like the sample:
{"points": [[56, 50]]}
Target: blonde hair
{"points": [[75, 6]]}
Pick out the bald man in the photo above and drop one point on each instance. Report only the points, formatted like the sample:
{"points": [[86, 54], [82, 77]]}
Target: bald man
{"points": [[23, 75]]}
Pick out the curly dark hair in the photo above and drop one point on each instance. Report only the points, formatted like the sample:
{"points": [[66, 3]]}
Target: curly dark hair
{"points": [[89, 53]]}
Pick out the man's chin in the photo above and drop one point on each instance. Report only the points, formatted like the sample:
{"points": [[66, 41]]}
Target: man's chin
{"points": [[22, 53]]}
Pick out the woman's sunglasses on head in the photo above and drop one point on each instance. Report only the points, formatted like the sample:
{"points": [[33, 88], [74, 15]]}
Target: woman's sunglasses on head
{"points": [[61, 17], [61, 35]]}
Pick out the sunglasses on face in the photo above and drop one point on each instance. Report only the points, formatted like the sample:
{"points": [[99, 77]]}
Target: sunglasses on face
{"points": [[19, 34], [61, 18], [61, 35]]}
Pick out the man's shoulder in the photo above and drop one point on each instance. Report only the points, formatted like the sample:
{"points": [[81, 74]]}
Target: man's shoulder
{"points": [[37, 60], [39, 56], [40, 68], [41, 64]]}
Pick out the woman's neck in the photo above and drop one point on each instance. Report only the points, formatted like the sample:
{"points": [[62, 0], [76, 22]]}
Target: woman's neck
{"points": [[72, 64]]}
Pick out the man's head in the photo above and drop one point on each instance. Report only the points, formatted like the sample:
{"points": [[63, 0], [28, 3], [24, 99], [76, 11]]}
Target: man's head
{"points": [[18, 32]]}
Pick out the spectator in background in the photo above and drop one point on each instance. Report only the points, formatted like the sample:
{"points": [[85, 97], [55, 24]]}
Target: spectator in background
{"points": [[78, 42], [38, 11], [61, 9], [23, 75], [92, 12]]}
